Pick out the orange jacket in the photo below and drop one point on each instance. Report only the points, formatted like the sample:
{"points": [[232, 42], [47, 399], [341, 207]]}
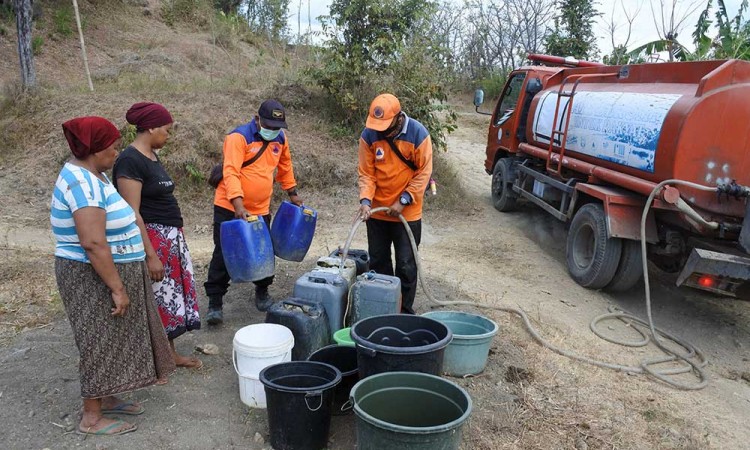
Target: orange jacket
{"points": [[254, 183], [383, 177]]}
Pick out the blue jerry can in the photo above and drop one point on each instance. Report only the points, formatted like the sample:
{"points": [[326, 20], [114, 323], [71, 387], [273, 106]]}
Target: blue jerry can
{"points": [[247, 248], [292, 231]]}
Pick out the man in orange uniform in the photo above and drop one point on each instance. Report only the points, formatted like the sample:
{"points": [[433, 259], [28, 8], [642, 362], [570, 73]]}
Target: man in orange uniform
{"points": [[395, 164], [252, 153]]}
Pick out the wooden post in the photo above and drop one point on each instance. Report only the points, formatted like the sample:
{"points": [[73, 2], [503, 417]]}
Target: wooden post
{"points": [[83, 46], [25, 53]]}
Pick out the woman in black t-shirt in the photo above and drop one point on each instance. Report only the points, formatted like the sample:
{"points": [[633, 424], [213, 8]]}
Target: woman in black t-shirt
{"points": [[145, 185]]}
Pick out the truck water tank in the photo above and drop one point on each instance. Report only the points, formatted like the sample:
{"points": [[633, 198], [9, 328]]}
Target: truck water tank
{"points": [[689, 121]]}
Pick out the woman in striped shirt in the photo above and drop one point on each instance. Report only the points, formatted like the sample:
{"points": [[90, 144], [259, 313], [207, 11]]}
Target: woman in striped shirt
{"points": [[102, 281]]}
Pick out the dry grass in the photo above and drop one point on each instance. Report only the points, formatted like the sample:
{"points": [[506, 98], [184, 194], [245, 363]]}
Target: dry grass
{"points": [[28, 295]]}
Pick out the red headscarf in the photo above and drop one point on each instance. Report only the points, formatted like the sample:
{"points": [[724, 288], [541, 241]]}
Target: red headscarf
{"points": [[148, 115], [89, 135]]}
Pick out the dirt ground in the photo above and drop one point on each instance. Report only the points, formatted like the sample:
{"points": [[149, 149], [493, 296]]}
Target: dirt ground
{"points": [[527, 397]]}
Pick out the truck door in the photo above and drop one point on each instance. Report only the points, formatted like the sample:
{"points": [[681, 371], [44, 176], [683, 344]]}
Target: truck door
{"points": [[507, 112]]}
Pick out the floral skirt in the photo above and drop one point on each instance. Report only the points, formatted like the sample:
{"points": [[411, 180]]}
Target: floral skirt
{"points": [[175, 294]]}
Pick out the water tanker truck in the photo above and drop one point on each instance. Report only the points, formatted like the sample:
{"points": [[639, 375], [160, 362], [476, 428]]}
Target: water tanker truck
{"points": [[589, 143]]}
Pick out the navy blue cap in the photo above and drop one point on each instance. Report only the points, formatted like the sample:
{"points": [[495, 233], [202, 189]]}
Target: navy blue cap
{"points": [[272, 114]]}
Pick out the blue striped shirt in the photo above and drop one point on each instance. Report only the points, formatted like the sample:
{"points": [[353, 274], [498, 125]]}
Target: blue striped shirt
{"points": [[77, 188]]}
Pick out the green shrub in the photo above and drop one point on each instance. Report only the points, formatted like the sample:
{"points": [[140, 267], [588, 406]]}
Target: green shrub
{"points": [[36, 45], [63, 20], [128, 133], [6, 12], [228, 29], [194, 12], [492, 85]]}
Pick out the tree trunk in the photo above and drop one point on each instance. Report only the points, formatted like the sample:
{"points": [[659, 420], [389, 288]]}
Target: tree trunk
{"points": [[25, 55]]}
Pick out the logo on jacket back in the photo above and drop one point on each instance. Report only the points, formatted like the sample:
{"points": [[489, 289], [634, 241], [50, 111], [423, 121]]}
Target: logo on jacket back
{"points": [[379, 153]]}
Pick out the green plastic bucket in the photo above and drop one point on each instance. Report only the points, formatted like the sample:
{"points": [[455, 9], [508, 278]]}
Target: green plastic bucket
{"points": [[344, 337], [409, 411], [472, 338]]}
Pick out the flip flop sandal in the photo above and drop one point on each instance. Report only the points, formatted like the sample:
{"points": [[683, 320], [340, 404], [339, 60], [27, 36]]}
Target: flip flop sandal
{"points": [[198, 367], [108, 430], [121, 409]]}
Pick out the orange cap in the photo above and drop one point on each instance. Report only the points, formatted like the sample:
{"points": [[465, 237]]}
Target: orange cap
{"points": [[382, 111]]}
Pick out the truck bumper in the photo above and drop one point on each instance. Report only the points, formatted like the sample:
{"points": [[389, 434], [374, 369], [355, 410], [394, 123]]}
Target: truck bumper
{"points": [[717, 272]]}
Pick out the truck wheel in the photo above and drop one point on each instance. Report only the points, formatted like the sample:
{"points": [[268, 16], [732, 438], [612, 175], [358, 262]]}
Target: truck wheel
{"points": [[503, 197], [630, 269], [592, 257]]}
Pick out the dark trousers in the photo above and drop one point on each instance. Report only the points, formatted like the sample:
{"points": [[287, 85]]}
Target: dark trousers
{"points": [[218, 277], [381, 234]]}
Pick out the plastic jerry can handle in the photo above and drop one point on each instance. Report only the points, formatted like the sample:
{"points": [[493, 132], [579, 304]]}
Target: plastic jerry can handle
{"points": [[305, 308], [252, 218], [319, 280], [307, 211]]}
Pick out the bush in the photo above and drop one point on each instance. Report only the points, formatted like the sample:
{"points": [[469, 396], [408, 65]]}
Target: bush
{"points": [[36, 45], [6, 12], [492, 85], [63, 20], [195, 12], [228, 29]]}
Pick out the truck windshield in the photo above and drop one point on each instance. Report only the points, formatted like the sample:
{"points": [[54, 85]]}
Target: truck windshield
{"points": [[508, 102]]}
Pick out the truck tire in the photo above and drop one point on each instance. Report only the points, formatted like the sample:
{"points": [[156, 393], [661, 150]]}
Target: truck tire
{"points": [[592, 257], [503, 197], [630, 270]]}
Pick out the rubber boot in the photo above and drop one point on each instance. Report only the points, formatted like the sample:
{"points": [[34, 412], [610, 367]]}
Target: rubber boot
{"points": [[263, 299]]}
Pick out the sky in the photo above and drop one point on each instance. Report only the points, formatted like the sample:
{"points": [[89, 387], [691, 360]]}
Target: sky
{"points": [[643, 30]]}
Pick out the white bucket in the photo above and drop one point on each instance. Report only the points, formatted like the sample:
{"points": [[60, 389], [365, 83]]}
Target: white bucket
{"points": [[256, 347]]}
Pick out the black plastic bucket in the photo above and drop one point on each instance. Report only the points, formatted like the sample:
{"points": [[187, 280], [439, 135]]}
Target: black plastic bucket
{"points": [[299, 397], [400, 343], [343, 358]]}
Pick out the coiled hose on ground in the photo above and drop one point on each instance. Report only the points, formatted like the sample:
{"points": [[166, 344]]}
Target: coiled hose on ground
{"points": [[692, 359]]}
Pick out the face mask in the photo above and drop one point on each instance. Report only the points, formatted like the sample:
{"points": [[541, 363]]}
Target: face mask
{"points": [[393, 129], [269, 135]]}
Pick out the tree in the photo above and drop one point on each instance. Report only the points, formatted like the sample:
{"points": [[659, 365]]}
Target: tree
{"points": [[619, 53], [267, 16], [733, 35], [669, 22], [25, 54], [227, 6], [573, 34], [376, 46]]}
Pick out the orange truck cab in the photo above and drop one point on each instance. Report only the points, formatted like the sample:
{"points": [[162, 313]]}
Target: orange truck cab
{"points": [[588, 143]]}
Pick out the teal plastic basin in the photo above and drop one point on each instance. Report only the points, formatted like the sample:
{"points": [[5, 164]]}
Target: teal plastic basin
{"points": [[472, 338]]}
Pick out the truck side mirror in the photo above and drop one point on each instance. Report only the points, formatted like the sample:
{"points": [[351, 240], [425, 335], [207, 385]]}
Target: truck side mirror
{"points": [[478, 98], [533, 86]]}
